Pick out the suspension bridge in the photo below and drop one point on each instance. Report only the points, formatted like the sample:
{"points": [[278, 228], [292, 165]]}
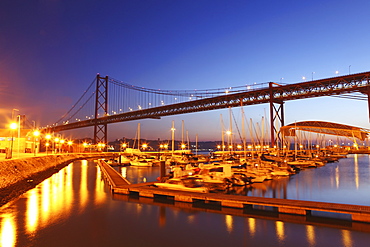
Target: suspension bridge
{"points": [[108, 100]]}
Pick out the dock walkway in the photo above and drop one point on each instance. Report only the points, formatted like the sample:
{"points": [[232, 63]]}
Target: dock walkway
{"points": [[120, 185]]}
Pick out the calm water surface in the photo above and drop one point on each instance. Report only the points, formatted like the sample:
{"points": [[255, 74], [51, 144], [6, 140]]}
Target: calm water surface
{"points": [[75, 208]]}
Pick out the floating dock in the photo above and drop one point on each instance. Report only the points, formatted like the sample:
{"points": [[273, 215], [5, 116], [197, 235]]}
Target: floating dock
{"points": [[120, 185]]}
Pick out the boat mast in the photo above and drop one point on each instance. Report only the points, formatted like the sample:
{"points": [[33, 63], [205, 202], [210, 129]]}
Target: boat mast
{"points": [[243, 131], [138, 136], [173, 136], [231, 130], [222, 135]]}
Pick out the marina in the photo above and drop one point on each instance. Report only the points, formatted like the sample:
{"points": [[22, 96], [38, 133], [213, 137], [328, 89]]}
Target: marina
{"points": [[298, 207], [78, 200]]}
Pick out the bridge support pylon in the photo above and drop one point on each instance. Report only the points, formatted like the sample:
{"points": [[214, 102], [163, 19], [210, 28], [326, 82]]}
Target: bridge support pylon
{"points": [[276, 118], [101, 110]]}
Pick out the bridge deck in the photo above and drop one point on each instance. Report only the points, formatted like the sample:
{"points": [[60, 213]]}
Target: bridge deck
{"points": [[120, 185]]}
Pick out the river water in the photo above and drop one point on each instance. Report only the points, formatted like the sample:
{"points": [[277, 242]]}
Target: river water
{"points": [[74, 207]]}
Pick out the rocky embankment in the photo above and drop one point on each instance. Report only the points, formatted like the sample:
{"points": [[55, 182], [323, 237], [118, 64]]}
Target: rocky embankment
{"points": [[19, 175]]}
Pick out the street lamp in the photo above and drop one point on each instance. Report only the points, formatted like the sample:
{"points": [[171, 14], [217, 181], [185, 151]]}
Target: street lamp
{"points": [[13, 126], [56, 141], [47, 144], [47, 147], [69, 146], [173, 136], [36, 133]]}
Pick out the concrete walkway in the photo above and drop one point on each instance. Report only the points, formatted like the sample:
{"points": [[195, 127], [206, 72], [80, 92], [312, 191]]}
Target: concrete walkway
{"points": [[22, 155]]}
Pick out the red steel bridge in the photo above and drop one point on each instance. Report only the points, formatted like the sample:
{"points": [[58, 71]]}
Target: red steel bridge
{"points": [[108, 100]]}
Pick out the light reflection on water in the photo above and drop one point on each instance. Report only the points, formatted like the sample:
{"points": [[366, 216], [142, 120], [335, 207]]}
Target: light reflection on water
{"points": [[75, 208], [8, 231]]}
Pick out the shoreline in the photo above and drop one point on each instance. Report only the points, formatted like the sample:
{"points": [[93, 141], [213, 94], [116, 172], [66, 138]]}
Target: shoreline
{"points": [[20, 175]]}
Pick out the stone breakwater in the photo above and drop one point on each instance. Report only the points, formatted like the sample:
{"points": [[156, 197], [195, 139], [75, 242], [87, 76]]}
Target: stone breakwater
{"points": [[19, 175]]}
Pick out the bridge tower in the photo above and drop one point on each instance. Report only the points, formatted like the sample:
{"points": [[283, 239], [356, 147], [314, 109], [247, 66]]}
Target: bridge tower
{"points": [[276, 117], [101, 109]]}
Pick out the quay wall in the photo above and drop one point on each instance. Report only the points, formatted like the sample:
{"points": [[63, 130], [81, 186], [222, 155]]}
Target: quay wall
{"points": [[19, 175]]}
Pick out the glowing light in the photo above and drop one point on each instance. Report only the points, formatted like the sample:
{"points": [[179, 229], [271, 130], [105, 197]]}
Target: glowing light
{"points": [[13, 126], [310, 232], [347, 238], [280, 230], [32, 211], [8, 232], [252, 226], [229, 223]]}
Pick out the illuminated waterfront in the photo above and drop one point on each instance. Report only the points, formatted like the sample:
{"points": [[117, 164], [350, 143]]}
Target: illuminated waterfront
{"points": [[74, 208]]}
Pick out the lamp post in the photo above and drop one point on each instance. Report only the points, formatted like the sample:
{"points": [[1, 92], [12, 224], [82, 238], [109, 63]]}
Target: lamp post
{"points": [[13, 126], [19, 132], [36, 133], [69, 146], [47, 144], [55, 143], [62, 141], [173, 136]]}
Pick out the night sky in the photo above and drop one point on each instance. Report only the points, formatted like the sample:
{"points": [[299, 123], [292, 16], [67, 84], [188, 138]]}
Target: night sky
{"points": [[51, 50]]}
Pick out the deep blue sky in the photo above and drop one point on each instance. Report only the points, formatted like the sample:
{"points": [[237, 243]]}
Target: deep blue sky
{"points": [[51, 50]]}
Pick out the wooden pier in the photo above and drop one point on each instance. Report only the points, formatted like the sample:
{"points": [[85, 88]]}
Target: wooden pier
{"points": [[120, 185]]}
